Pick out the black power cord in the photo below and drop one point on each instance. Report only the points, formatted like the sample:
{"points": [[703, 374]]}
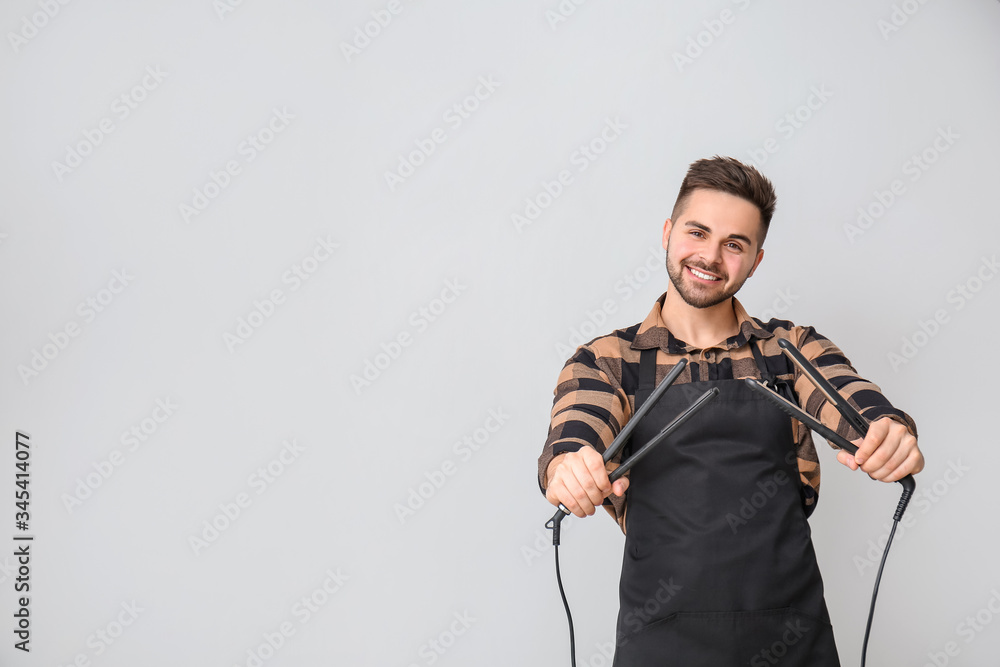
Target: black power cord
{"points": [[553, 524], [569, 616], [904, 500]]}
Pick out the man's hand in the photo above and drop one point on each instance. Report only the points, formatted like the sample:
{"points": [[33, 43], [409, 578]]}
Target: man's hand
{"points": [[579, 481], [888, 453]]}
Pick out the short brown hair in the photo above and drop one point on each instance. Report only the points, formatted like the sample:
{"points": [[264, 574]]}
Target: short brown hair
{"points": [[728, 174]]}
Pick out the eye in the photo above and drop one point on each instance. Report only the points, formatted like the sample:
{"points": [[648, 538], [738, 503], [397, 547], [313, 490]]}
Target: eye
{"points": [[736, 247]]}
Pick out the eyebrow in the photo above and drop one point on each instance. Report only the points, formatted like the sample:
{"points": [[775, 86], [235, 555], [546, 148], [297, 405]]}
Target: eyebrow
{"points": [[706, 228]]}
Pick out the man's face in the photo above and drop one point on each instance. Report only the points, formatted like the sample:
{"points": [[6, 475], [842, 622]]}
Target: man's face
{"points": [[712, 247]]}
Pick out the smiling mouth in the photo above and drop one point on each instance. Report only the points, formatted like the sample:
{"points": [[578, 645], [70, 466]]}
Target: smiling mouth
{"points": [[701, 275]]}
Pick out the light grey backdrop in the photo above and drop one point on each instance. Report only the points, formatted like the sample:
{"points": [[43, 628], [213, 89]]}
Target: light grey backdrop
{"points": [[308, 272]]}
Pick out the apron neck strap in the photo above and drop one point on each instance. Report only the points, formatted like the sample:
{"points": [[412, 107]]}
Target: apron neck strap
{"points": [[647, 373], [768, 377]]}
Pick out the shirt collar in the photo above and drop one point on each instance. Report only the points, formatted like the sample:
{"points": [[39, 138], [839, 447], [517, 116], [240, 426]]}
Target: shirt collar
{"points": [[653, 331]]}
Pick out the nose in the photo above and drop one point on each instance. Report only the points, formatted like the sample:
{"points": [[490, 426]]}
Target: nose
{"points": [[710, 254]]}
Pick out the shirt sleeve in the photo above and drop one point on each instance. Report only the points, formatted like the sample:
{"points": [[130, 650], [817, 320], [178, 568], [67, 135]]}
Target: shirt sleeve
{"points": [[590, 407], [865, 396]]}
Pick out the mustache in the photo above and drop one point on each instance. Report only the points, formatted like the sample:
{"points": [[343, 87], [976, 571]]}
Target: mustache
{"points": [[715, 270]]}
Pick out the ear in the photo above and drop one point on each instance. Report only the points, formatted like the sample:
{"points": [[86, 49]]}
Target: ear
{"points": [[756, 263], [666, 232]]}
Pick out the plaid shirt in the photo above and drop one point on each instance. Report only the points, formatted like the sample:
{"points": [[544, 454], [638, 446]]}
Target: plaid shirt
{"points": [[595, 394]]}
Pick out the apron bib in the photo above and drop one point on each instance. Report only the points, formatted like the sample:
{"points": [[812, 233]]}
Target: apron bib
{"points": [[719, 568]]}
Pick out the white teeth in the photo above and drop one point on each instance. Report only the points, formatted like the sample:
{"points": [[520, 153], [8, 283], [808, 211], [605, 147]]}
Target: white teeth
{"points": [[703, 276]]}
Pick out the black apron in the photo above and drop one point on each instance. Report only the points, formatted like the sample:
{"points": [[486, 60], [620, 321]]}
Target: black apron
{"points": [[719, 568]]}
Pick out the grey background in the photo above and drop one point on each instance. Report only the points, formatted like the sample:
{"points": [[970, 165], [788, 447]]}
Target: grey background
{"points": [[476, 547]]}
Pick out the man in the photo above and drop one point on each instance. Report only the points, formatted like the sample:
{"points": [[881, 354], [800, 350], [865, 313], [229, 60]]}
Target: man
{"points": [[719, 567]]}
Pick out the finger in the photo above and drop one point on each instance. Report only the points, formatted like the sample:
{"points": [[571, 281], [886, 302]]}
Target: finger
{"points": [[897, 459], [893, 450], [576, 499], [556, 490], [881, 457], [620, 486], [880, 445], [589, 486], [595, 466], [912, 464], [876, 434], [847, 459]]}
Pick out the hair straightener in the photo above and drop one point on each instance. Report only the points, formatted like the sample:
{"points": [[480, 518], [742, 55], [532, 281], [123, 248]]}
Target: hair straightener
{"points": [[853, 417], [858, 423], [616, 445]]}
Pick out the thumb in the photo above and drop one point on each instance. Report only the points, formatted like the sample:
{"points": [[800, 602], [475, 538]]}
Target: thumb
{"points": [[619, 487]]}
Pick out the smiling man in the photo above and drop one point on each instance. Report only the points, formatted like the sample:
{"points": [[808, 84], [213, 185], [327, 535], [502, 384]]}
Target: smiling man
{"points": [[719, 511]]}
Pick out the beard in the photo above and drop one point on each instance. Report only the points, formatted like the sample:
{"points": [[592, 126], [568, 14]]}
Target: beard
{"points": [[696, 294]]}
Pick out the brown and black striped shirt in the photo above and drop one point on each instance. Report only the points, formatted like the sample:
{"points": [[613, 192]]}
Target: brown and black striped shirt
{"points": [[595, 394]]}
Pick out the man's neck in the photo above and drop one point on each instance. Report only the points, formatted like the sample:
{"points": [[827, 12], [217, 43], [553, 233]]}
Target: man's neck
{"points": [[699, 327]]}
